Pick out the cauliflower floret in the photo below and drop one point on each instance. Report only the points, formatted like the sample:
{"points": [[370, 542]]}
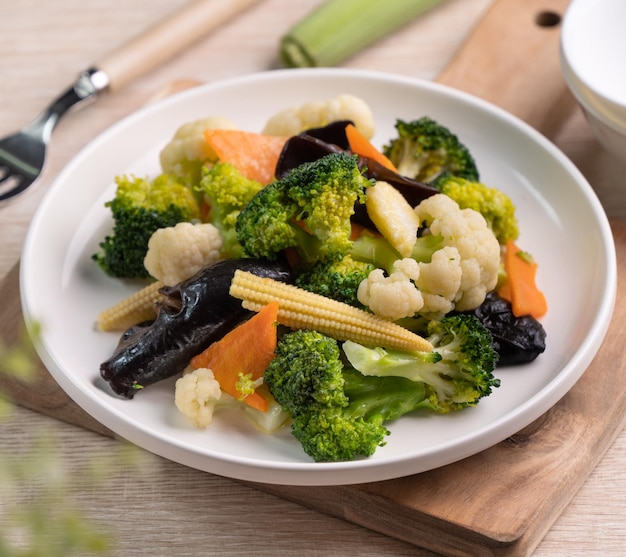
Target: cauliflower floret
{"points": [[395, 296], [467, 231], [196, 395], [188, 148], [315, 114], [440, 280], [453, 265], [176, 253]]}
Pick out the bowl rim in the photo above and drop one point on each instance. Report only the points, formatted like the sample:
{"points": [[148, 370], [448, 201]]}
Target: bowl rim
{"points": [[602, 98]]}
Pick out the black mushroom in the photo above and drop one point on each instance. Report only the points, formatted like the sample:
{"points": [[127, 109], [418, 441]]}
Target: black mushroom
{"points": [[517, 340], [197, 312]]}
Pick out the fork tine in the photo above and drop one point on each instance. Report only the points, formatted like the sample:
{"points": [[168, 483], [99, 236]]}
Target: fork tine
{"points": [[22, 155], [12, 184]]}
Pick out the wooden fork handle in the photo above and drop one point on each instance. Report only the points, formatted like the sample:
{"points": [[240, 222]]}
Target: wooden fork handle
{"points": [[167, 38]]}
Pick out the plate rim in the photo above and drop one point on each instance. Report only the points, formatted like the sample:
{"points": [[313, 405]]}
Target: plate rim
{"points": [[319, 473]]}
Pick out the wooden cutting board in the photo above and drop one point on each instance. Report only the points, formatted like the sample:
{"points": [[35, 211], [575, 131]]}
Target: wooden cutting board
{"points": [[502, 501]]}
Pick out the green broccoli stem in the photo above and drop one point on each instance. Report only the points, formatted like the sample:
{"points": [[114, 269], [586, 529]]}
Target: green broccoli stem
{"points": [[379, 252], [307, 246], [379, 400], [425, 246], [340, 28], [457, 373], [375, 250]]}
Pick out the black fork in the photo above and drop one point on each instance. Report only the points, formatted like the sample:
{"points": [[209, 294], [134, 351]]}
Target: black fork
{"points": [[22, 155]]}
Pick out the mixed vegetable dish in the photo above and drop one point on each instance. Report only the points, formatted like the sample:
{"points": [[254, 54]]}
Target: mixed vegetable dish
{"points": [[317, 281]]}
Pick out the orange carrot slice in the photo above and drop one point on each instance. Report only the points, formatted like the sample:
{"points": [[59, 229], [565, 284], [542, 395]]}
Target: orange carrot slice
{"points": [[247, 350], [356, 230], [504, 291], [360, 145], [521, 288], [255, 155]]}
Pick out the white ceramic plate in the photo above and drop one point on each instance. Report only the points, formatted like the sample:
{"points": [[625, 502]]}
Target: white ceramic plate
{"points": [[562, 223]]}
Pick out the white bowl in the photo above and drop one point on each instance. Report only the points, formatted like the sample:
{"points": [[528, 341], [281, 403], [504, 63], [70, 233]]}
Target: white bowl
{"points": [[593, 44]]}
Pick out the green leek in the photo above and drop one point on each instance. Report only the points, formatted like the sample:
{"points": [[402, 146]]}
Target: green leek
{"points": [[338, 29]]}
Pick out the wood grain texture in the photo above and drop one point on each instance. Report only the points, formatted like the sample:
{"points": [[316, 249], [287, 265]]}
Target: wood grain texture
{"points": [[499, 502], [41, 393], [502, 500], [511, 59], [416, 509], [171, 35]]}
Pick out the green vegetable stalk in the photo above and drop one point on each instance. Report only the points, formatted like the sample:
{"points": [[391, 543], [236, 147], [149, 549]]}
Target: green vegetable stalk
{"points": [[340, 28]]}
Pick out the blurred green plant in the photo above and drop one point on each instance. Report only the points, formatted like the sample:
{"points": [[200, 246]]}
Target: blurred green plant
{"points": [[39, 488], [18, 361]]}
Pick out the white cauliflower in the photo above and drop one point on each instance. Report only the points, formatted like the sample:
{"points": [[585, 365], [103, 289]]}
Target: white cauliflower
{"points": [[176, 253], [454, 264], [196, 396], [440, 280], [478, 248], [188, 149], [315, 114], [395, 296]]}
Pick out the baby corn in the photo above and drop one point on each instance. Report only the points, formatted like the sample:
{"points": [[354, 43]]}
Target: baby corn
{"points": [[300, 309], [134, 309]]}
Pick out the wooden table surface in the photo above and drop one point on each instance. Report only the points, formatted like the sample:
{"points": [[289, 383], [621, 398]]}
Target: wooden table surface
{"points": [[170, 509]]}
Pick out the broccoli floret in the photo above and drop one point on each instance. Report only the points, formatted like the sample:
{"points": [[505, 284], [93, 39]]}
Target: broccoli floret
{"points": [[493, 204], [306, 372], [309, 210], [139, 208], [337, 413], [456, 374], [424, 149], [227, 192], [337, 279]]}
